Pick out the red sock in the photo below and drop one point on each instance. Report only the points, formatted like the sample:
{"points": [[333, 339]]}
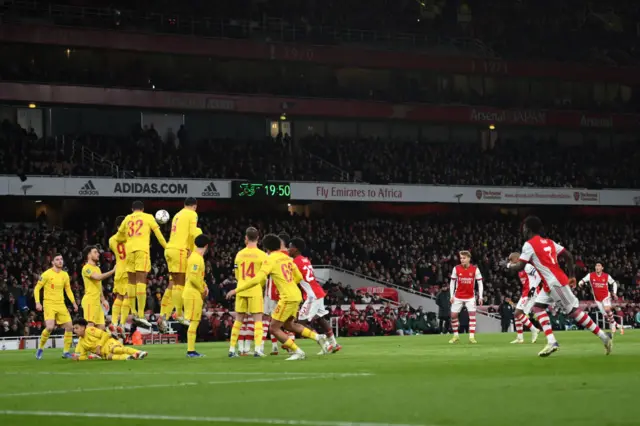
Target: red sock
{"points": [[454, 325], [472, 323]]}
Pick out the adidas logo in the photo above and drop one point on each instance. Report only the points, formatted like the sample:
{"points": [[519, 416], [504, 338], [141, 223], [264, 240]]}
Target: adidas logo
{"points": [[210, 191], [88, 189]]}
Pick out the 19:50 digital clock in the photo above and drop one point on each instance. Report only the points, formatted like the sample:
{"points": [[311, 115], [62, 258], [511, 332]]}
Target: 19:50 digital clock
{"points": [[261, 190]]}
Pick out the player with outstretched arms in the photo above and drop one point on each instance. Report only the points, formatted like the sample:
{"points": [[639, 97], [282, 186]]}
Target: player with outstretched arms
{"points": [[600, 282], [543, 254], [249, 303], [271, 298], [136, 229], [286, 278], [313, 294], [184, 230], [463, 293], [530, 280], [56, 284], [93, 301]]}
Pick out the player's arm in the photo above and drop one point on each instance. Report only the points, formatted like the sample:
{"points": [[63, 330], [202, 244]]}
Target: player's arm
{"points": [[568, 261], [525, 257], [236, 270], [452, 283], [81, 353], [262, 274], [584, 281], [122, 230], [36, 292], [102, 337], [102, 275], [157, 232], [69, 292], [614, 284], [480, 286], [534, 277], [297, 275]]}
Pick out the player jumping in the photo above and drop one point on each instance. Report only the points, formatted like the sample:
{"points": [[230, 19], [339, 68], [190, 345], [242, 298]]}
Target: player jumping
{"points": [[463, 293], [56, 283], [94, 343], [530, 280], [121, 308], [543, 254], [286, 278], [313, 306], [136, 229], [600, 282], [93, 301], [249, 302]]}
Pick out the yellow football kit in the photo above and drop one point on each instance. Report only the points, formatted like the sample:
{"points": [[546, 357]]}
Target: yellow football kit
{"points": [[117, 244], [192, 297], [109, 347], [55, 285], [136, 230], [91, 302], [184, 230], [247, 263]]}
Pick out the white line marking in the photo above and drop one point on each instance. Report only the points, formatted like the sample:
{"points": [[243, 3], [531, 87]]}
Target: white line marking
{"points": [[166, 373], [157, 417]]}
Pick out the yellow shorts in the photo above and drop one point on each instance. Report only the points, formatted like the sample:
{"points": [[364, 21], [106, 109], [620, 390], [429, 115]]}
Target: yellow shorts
{"points": [[120, 285], [192, 308], [57, 312], [176, 260], [249, 305], [108, 348], [284, 311], [138, 261], [93, 311]]}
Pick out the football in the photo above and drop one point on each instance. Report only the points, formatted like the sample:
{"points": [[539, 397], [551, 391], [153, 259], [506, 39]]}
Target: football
{"points": [[162, 217]]}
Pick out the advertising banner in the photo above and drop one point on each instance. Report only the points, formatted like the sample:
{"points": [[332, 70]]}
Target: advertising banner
{"points": [[40, 186], [384, 292]]}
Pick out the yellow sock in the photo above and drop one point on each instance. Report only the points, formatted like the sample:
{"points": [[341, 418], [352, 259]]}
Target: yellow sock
{"points": [[257, 334], [126, 308], [235, 333], [119, 350], [131, 295], [68, 340], [166, 303], [290, 344], [309, 334], [121, 357], [177, 299], [116, 310], [44, 337], [141, 298], [191, 336]]}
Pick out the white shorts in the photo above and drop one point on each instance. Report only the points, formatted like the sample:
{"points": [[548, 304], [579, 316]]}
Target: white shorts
{"points": [[605, 303], [561, 296], [457, 305], [312, 308], [269, 305], [525, 304]]}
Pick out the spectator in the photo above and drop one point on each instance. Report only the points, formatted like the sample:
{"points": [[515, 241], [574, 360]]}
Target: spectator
{"points": [[443, 300], [506, 310], [403, 325]]}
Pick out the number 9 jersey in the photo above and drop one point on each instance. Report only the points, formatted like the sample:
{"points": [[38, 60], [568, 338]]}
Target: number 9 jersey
{"points": [[120, 281]]}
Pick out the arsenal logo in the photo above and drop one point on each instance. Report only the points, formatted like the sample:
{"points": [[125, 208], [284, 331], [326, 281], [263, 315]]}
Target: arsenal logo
{"points": [[576, 196], [479, 194]]}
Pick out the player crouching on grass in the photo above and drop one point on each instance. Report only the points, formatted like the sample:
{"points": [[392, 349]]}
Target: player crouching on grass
{"points": [[95, 343]]}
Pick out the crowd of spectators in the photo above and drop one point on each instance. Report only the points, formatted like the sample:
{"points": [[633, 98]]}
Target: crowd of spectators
{"points": [[415, 254], [144, 154]]}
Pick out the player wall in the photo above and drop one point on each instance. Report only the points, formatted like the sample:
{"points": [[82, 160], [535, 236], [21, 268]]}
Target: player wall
{"points": [[486, 324]]}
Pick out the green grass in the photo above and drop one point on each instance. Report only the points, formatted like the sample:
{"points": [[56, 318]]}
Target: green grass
{"points": [[419, 380]]}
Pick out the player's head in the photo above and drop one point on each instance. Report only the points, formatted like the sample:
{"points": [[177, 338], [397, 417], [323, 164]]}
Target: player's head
{"points": [[57, 261], [271, 242], [79, 326], [285, 239], [465, 257], [119, 221], [514, 257], [91, 253], [137, 206], [202, 242], [251, 235], [296, 247], [191, 203], [599, 267], [531, 226]]}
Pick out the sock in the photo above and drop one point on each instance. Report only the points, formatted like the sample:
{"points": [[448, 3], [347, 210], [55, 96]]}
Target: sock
{"points": [[121, 357], [585, 321], [250, 335], [292, 335], [191, 336], [258, 335], [472, 324], [519, 327], [131, 295], [291, 345], [527, 323], [309, 334], [612, 321], [116, 310], [454, 326], [235, 334], [274, 343], [545, 323], [141, 298], [126, 308], [127, 350], [44, 337], [166, 305], [68, 340], [177, 299]]}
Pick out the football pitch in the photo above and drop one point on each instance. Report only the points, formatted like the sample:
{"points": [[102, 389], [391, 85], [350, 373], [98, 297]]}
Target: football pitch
{"points": [[411, 380]]}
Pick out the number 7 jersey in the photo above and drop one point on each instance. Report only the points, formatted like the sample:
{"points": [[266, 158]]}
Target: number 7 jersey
{"points": [[543, 253]]}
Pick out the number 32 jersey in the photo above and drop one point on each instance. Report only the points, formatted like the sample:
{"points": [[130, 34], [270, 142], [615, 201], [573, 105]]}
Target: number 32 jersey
{"points": [[310, 286], [543, 253]]}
